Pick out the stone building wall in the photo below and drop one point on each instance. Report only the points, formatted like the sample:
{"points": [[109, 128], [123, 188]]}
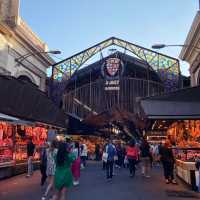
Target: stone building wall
{"points": [[16, 40], [191, 51]]}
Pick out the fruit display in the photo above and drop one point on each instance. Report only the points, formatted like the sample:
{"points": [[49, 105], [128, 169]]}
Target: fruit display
{"points": [[185, 133]]}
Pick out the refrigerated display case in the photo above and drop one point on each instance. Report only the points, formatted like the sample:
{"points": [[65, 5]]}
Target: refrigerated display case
{"points": [[185, 165], [13, 147], [6, 144], [38, 135]]}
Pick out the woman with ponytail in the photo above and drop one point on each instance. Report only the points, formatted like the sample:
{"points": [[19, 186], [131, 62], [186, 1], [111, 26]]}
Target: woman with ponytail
{"points": [[63, 175]]}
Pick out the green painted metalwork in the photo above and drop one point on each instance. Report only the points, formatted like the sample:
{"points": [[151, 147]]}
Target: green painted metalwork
{"points": [[167, 67]]}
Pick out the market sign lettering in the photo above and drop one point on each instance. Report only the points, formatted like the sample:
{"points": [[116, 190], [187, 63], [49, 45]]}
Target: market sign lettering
{"points": [[112, 85]]}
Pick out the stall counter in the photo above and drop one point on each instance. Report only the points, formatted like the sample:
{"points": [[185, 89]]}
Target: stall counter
{"points": [[188, 173]]}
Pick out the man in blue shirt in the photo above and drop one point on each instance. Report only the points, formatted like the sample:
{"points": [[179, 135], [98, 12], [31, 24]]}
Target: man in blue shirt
{"points": [[111, 152]]}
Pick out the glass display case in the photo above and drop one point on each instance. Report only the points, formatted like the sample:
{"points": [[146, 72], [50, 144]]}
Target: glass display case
{"points": [[6, 143], [6, 154], [38, 135], [185, 165], [13, 142], [20, 153], [187, 154]]}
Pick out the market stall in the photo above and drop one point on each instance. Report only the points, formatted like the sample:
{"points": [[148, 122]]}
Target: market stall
{"points": [[91, 142], [185, 134], [182, 109], [13, 146], [185, 166], [25, 111]]}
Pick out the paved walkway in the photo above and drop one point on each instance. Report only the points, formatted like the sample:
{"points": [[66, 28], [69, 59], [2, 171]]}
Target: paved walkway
{"points": [[95, 187]]}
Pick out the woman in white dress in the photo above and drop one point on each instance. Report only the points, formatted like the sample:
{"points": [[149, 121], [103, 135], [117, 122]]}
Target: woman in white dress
{"points": [[51, 167]]}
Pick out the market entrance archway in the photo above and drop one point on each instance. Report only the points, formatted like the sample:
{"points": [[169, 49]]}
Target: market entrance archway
{"points": [[109, 89]]}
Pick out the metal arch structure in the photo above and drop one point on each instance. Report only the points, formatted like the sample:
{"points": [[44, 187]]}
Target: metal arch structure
{"points": [[168, 68]]}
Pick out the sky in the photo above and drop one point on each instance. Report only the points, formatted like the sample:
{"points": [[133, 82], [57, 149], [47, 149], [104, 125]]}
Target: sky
{"points": [[74, 25]]}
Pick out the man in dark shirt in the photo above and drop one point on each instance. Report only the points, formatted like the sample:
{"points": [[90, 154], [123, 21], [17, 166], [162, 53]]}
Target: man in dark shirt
{"points": [[168, 160], [145, 156], [30, 154]]}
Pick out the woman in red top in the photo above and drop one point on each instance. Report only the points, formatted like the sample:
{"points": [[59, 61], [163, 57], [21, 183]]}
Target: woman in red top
{"points": [[132, 155]]}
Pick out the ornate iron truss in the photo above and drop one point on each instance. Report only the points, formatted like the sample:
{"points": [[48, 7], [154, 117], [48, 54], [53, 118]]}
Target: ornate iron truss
{"points": [[167, 67]]}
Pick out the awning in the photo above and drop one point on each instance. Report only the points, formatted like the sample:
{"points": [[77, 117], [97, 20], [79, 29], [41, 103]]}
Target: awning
{"points": [[7, 118], [23, 122], [14, 120], [181, 104], [24, 101]]}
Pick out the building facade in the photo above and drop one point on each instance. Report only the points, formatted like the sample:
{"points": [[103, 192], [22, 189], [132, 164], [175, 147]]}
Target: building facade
{"points": [[16, 40], [191, 51]]}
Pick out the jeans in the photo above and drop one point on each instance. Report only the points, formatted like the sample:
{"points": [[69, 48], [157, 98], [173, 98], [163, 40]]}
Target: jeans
{"points": [[132, 163], [168, 170], [104, 165], [145, 162], [109, 169], [83, 160], [30, 165], [120, 161], [43, 169]]}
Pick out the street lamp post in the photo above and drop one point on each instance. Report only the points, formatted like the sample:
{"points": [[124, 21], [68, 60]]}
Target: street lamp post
{"points": [[23, 57], [161, 46]]}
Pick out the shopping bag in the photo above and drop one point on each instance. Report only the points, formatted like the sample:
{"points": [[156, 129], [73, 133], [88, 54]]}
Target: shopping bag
{"points": [[105, 157], [115, 158]]}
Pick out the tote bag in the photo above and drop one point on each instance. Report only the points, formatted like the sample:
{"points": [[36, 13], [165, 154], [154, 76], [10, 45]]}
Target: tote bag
{"points": [[105, 157]]}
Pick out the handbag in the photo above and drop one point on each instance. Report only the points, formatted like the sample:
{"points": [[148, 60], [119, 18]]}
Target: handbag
{"points": [[115, 158], [105, 157]]}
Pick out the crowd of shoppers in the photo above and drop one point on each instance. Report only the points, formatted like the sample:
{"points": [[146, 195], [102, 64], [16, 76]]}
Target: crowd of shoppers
{"points": [[61, 162], [139, 154]]}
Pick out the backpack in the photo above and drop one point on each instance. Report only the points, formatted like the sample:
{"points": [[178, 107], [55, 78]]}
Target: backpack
{"points": [[132, 152]]}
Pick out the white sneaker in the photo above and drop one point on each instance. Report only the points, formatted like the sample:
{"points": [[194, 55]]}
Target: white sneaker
{"points": [[148, 176], [75, 183], [82, 167]]}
